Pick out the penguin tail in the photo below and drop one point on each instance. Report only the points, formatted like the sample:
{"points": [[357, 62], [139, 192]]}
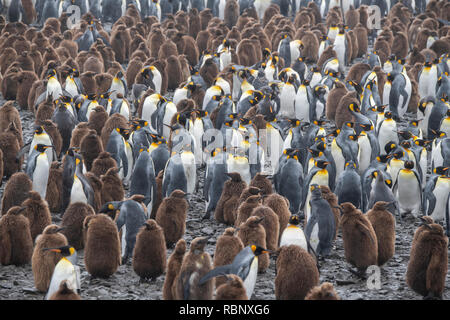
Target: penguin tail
{"points": [[219, 271]]}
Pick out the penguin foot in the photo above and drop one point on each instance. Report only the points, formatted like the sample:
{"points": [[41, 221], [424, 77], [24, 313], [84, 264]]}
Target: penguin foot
{"points": [[359, 273], [431, 296]]}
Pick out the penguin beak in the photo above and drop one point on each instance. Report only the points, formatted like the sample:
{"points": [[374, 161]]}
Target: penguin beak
{"points": [[52, 250], [60, 229]]}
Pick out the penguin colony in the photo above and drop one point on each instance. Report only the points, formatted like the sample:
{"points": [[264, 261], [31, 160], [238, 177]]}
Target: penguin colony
{"points": [[303, 122]]}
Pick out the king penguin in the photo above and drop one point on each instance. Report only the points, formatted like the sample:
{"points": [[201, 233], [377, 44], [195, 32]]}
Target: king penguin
{"points": [[436, 194], [65, 269], [293, 234], [408, 190], [38, 169]]}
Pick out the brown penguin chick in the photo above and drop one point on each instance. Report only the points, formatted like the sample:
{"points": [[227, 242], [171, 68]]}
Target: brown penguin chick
{"points": [[90, 147], [190, 50], [120, 41], [184, 65], [270, 223], [102, 246], [354, 41], [246, 52], [427, 266], [360, 239], [37, 212], [441, 46], [421, 228], [382, 49], [171, 216], [103, 82], [43, 262], [25, 62], [279, 205], [232, 289], [10, 147], [88, 81], [69, 44], [96, 184], [383, 222], [205, 16], [401, 47], [8, 57], [252, 232], [361, 35], [196, 264], [173, 269], [202, 40], [231, 13], [323, 292], [174, 69], [36, 89], [8, 114], [158, 200], [357, 71], [9, 83], [227, 247], [332, 200], [133, 69], [195, 23], [149, 255], [247, 192], [16, 245], [16, 191], [155, 41], [363, 15], [310, 47], [37, 59], [262, 182], [167, 49], [97, 119], [334, 97], [227, 205], [271, 11], [78, 134], [45, 109], [342, 112], [112, 189], [65, 292], [429, 54], [415, 56], [72, 222], [328, 53], [351, 17], [115, 121], [54, 187], [102, 164], [297, 273], [209, 71]]}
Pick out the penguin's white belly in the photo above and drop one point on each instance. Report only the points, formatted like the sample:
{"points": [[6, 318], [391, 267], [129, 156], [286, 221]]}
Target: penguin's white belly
{"points": [[440, 191], [179, 95], [288, 141], [125, 110], [314, 237], [302, 105], [116, 88], [250, 281], [310, 164], [190, 170], [64, 270], [274, 147], [77, 193], [436, 156], [54, 89], [339, 159], [393, 169], [157, 80], [71, 88], [225, 60], [423, 125], [45, 140], [197, 131], [242, 166], [386, 133], [322, 48], [130, 159], [386, 92], [148, 109], [90, 108], [221, 9], [364, 153], [40, 175], [287, 102], [445, 127], [293, 235], [166, 120], [339, 47], [427, 83], [408, 193], [261, 6], [236, 87], [315, 79]]}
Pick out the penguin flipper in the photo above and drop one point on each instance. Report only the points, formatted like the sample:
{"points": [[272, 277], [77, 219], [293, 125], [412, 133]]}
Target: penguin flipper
{"points": [[365, 231], [219, 271], [431, 203]]}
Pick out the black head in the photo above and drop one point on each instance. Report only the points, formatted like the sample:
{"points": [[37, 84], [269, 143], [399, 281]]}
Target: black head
{"points": [[65, 251], [257, 250], [41, 147], [409, 165]]}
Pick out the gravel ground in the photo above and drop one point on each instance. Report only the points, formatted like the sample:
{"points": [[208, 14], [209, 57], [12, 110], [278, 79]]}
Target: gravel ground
{"points": [[16, 283]]}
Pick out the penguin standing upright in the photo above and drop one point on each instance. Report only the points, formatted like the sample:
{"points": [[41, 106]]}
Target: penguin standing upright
{"points": [[180, 173], [66, 121], [287, 99], [428, 78], [143, 179], [171, 216], [348, 187], [408, 189], [42, 137], [320, 228], [54, 89], [245, 265], [65, 270], [387, 131], [382, 192], [319, 175], [436, 193], [81, 188], [117, 148], [291, 181], [173, 268], [341, 47], [196, 264], [38, 169]]}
